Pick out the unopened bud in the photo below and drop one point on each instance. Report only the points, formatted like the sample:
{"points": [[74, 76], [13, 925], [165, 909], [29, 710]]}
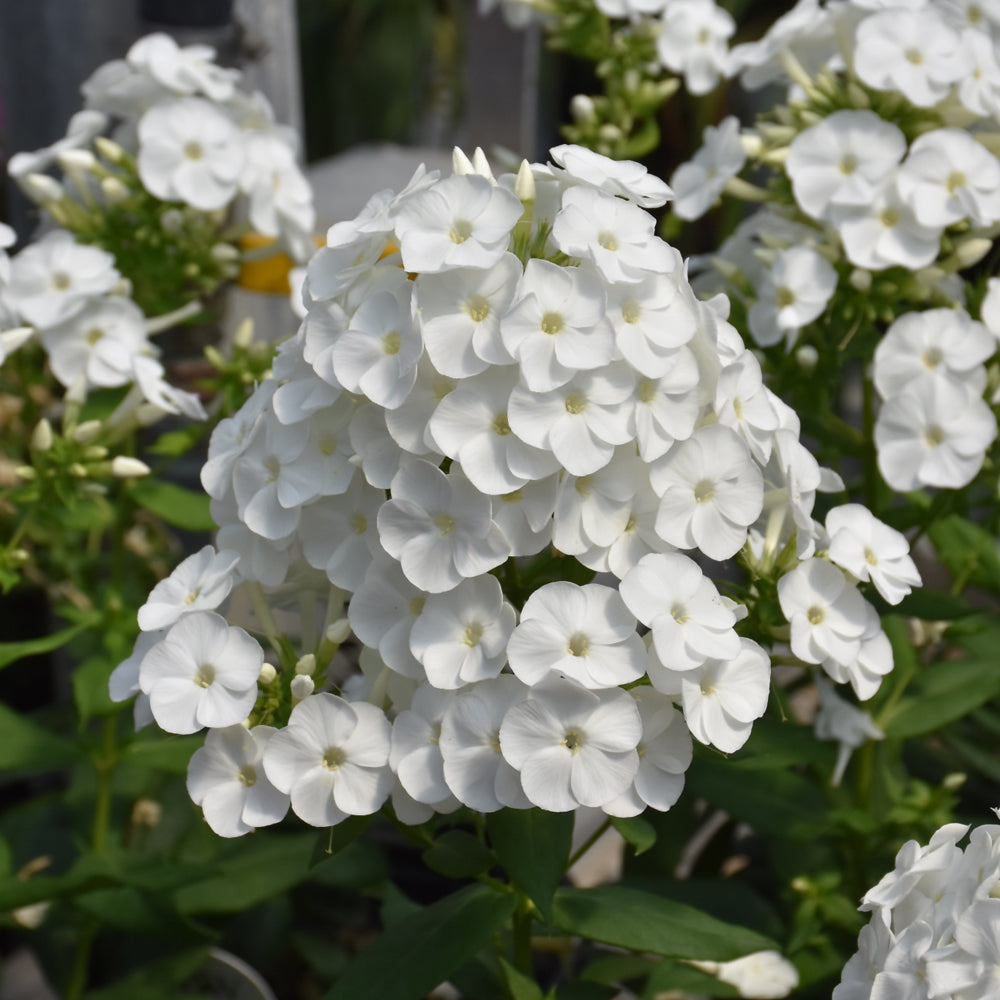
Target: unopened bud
{"points": [[172, 220], [243, 335], [42, 189], [147, 414], [25, 473], [460, 163], [306, 664], [79, 470], [954, 781], [147, 812], [752, 144], [95, 453], [338, 631], [77, 160], [224, 253], [214, 357], [41, 436], [581, 107], [972, 250], [857, 96], [115, 192], [860, 280], [301, 687], [807, 356], [87, 431], [126, 467], [267, 674], [609, 132], [110, 150], [481, 165], [524, 185]]}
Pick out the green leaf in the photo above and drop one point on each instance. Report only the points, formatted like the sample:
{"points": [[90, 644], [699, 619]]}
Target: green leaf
{"points": [[641, 921], [173, 444], [533, 846], [519, 986], [639, 833], [160, 980], [458, 854], [941, 694], [332, 841], [682, 978], [11, 652], [933, 606], [90, 688], [178, 506], [26, 746], [969, 551], [162, 752], [416, 954]]}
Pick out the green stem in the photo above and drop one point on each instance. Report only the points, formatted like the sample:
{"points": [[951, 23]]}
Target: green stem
{"points": [[104, 764], [81, 962], [589, 842], [868, 444], [522, 937]]}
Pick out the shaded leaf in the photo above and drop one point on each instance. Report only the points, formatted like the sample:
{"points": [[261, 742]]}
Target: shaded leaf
{"points": [[639, 833], [458, 854], [178, 506], [11, 652]]}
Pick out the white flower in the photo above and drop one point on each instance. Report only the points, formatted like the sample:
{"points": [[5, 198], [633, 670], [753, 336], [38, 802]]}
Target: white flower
{"points": [[124, 680], [948, 176], [764, 975], [332, 759], [614, 235], [474, 767], [190, 151], [743, 403], [187, 70], [203, 673], [825, 611], [911, 51], [839, 720], [556, 326], [584, 633], [199, 583], [795, 291], [525, 515], [618, 177], [573, 747], [461, 636], [710, 492], [226, 778], [415, 756], [53, 278], [693, 42], [690, 621], [281, 201], [842, 161], [462, 221], [439, 527], [933, 433], [871, 550], [700, 181]]}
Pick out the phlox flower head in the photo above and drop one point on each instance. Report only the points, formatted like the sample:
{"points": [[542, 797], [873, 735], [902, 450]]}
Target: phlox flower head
{"points": [[701, 180]]}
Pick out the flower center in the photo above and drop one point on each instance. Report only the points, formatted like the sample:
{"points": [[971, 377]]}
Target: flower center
{"points": [[552, 323], [391, 343], [60, 281], [579, 645], [704, 490], [870, 556], [679, 613], [247, 776], [94, 334], [416, 605], [500, 425], [273, 467], [973, 13], [932, 357], [956, 179], [914, 56], [630, 525], [204, 675], [358, 523], [476, 308], [848, 164], [704, 36], [192, 597], [193, 150], [608, 241], [515, 496], [933, 435], [631, 312], [328, 444], [572, 741], [460, 231], [576, 403], [333, 758], [815, 615], [493, 741], [646, 391], [473, 633], [785, 297], [738, 408], [441, 388], [889, 218], [444, 523]]}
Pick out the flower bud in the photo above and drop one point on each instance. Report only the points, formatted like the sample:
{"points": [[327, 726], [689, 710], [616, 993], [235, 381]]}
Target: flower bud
{"points": [[126, 467], [95, 453], [224, 253], [524, 185], [481, 165], [147, 812], [460, 163], [267, 674], [42, 189], [25, 473], [110, 150], [807, 356], [860, 279], [41, 436], [301, 687], [972, 250], [243, 335], [77, 160], [338, 631], [172, 220], [306, 664], [87, 431], [581, 107], [115, 192]]}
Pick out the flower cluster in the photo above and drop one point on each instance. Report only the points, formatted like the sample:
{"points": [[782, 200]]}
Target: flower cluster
{"points": [[191, 150], [935, 925], [501, 387]]}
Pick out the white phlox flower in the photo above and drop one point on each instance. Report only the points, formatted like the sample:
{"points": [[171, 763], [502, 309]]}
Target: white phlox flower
{"points": [[556, 325], [796, 290], [764, 975], [710, 492], [83, 127], [226, 778], [979, 88], [667, 408], [842, 161], [875, 659], [948, 176], [124, 680], [826, 613], [693, 42], [871, 550], [572, 746], [439, 527], [584, 633], [461, 636], [230, 438], [935, 432], [407, 424], [839, 720], [525, 515], [474, 767], [186, 70], [190, 151], [700, 181], [199, 583], [463, 221], [934, 341], [744, 404], [53, 278], [203, 673], [914, 52], [690, 621], [332, 759], [281, 201], [665, 753], [614, 235], [624, 178]]}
